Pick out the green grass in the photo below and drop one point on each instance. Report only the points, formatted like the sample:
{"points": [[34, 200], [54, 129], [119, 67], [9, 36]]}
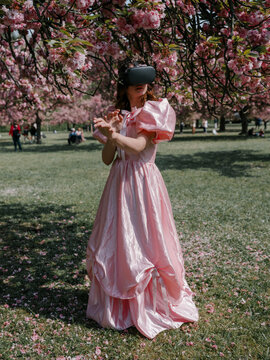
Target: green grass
{"points": [[49, 194]]}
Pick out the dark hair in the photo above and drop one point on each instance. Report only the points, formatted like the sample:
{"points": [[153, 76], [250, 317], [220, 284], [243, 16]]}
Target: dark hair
{"points": [[122, 101]]}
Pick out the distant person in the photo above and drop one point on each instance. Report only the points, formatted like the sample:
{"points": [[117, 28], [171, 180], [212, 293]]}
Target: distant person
{"points": [[72, 136], [194, 127], [216, 123], [26, 129], [83, 138], [79, 136], [33, 131], [265, 124], [15, 132], [205, 125], [182, 125], [260, 133], [258, 122]]}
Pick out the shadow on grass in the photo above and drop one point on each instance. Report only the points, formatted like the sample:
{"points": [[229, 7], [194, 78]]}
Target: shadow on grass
{"points": [[43, 261], [232, 164], [6, 146], [209, 137]]}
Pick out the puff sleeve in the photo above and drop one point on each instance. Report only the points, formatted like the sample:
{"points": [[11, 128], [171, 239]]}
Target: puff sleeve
{"points": [[158, 117]]}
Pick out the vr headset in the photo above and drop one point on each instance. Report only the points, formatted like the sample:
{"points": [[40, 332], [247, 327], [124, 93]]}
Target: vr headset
{"points": [[138, 75]]}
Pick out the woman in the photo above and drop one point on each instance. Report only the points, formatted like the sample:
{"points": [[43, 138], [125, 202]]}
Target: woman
{"points": [[15, 132], [134, 259]]}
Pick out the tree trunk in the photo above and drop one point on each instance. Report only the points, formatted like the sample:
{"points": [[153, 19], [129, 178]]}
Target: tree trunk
{"points": [[222, 123], [244, 122], [38, 122]]}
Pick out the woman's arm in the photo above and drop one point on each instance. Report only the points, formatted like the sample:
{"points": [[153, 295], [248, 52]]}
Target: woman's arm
{"points": [[128, 144], [108, 152], [131, 145], [109, 148]]}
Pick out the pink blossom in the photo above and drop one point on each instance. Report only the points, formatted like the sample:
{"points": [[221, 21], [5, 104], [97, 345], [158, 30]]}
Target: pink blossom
{"points": [[77, 61], [180, 3], [206, 27], [146, 20], [210, 308], [254, 36], [28, 4], [225, 31], [35, 336], [14, 19], [190, 10], [84, 4], [224, 13], [172, 59], [98, 351], [121, 23], [114, 50]]}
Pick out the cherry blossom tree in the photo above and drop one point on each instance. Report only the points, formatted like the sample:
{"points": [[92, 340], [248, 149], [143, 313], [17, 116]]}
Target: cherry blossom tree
{"points": [[81, 110], [210, 55], [29, 103]]}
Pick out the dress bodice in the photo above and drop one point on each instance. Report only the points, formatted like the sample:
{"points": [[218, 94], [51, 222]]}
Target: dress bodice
{"points": [[129, 129], [155, 117]]}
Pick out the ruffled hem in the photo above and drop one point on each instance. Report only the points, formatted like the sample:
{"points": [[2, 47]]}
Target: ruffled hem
{"points": [[151, 312]]}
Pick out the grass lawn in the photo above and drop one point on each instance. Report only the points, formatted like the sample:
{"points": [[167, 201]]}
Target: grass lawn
{"points": [[49, 194]]}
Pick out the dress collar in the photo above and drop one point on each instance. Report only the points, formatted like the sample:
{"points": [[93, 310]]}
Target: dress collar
{"points": [[131, 115]]}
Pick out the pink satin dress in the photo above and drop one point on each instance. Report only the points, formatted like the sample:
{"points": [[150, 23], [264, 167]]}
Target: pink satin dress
{"points": [[134, 259]]}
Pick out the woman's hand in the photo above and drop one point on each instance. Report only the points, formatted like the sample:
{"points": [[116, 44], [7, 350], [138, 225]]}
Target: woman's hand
{"points": [[104, 127], [115, 119], [110, 124]]}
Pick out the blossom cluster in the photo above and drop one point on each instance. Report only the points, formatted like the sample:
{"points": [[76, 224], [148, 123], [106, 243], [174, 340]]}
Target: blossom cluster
{"points": [[61, 45]]}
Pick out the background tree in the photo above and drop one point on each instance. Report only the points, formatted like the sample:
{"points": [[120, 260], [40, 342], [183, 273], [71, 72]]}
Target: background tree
{"points": [[207, 54]]}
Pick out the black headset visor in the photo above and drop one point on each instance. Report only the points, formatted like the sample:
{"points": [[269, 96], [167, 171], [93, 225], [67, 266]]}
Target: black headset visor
{"points": [[139, 75]]}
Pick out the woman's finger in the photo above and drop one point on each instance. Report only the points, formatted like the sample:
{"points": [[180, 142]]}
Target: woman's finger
{"points": [[98, 119]]}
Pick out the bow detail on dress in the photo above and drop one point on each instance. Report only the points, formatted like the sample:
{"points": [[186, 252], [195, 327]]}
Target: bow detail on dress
{"points": [[130, 116]]}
